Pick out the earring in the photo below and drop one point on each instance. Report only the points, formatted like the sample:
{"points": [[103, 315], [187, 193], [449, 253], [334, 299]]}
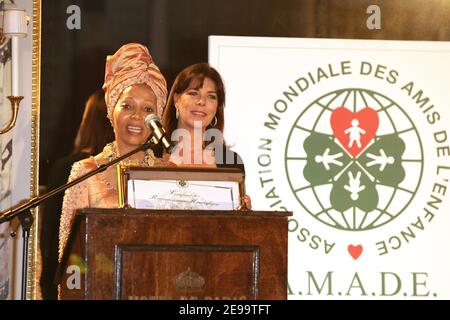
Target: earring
{"points": [[215, 122], [177, 113]]}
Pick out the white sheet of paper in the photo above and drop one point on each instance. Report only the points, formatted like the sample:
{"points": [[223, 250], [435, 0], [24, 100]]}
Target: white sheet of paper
{"points": [[190, 195]]}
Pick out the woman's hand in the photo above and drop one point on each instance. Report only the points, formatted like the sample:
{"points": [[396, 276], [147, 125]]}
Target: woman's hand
{"points": [[166, 161], [248, 202]]}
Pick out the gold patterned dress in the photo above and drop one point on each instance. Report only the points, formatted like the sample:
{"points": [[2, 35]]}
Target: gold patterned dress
{"points": [[99, 191]]}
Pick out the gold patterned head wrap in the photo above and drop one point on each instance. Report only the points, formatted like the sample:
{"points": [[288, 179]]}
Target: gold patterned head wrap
{"points": [[132, 64]]}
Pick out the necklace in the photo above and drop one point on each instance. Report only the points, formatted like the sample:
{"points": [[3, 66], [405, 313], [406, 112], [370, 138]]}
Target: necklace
{"points": [[110, 152]]}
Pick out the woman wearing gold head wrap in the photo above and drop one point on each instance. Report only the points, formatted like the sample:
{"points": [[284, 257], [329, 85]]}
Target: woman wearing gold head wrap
{"points": [[134, 87]]}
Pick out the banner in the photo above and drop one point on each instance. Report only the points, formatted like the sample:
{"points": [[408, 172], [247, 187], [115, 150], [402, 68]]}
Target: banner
{"points": [[353, 137], [6, 245]]}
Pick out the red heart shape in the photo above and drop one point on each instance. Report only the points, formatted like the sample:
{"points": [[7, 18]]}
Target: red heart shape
{"points": [[354, 130], [355, 251]]}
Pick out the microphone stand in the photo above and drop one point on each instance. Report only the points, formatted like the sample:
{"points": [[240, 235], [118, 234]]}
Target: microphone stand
{"points": [[26, 218]]}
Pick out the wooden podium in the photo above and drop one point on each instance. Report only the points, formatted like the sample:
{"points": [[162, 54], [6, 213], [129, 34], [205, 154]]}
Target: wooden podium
{"points": [[175, 254]]}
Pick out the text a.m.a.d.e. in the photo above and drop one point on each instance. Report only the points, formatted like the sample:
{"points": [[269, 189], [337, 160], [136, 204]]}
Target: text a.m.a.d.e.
{"points": [[387, 284]]}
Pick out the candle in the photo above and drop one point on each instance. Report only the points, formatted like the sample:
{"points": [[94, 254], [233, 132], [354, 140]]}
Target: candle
{"points": [[15, 65]]}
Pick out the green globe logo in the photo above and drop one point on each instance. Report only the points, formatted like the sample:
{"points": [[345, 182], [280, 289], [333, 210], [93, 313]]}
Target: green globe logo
{"points": [[354, 159]]}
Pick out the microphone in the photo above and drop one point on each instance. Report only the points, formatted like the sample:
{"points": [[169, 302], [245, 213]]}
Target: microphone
{"points": [[152, 121]]}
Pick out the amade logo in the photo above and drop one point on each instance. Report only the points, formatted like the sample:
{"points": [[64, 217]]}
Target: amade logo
{"points": [[355, 151]]}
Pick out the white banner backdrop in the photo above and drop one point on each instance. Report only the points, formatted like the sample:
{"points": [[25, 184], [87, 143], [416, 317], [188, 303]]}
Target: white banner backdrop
{"points": [[6, 242], [353, 137], [15, 149]]}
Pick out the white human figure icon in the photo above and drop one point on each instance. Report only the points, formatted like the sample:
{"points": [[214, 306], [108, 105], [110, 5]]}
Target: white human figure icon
{"points": [[381, 160], [326, 159], [354, 133], [354, 185]]}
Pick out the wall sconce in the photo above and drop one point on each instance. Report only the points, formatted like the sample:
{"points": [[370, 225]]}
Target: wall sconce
{"points": [[14, 27]]}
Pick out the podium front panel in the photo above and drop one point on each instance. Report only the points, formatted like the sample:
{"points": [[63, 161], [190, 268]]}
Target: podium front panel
{"points": [[186, 272], [171, 254]]}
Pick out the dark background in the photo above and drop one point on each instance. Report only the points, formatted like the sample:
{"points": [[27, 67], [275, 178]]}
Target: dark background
{"points": [[176, 32]]}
